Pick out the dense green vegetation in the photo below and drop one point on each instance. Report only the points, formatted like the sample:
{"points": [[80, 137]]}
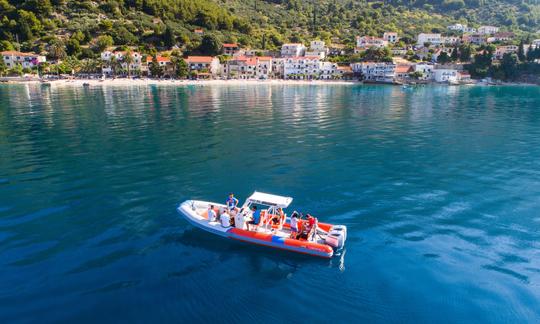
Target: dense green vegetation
{"points": [[74, 30], [85, 25]]}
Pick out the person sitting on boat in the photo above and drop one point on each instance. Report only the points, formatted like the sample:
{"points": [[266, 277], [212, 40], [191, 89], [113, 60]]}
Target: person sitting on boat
{"points": [[255, 217], [224, 217], [277, 219], [294, 225], [232, 218], [211, 214], [231, 202]]}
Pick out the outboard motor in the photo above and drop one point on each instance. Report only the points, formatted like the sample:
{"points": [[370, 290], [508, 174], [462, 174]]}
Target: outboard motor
{"points": [[336, 236]]}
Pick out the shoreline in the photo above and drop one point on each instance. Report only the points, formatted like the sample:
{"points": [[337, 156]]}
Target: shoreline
{"points": [[149, 82]]}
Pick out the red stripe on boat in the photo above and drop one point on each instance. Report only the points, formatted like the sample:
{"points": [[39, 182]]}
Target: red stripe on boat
{"points": [[255, 235], [309, 245]]}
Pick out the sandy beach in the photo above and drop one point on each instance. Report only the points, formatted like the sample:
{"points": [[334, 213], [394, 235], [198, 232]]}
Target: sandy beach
{"points": [[146, 82]]}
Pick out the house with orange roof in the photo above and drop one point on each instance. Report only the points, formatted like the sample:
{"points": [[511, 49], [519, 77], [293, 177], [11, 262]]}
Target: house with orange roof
{"points": [[345, 72], [26, 60], [248, 67], [402, 71], [230, 48], [163, 61], [207, 66]]}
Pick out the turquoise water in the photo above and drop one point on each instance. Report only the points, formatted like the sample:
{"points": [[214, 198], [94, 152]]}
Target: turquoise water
{"points": [[439, 188]]}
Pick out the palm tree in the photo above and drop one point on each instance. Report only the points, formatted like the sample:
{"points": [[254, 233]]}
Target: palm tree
{"points": [[57, 50], [114, 64], [128, 59]]}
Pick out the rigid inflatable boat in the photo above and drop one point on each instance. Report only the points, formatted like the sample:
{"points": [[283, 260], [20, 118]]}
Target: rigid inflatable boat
{"points": [[273, 229]]}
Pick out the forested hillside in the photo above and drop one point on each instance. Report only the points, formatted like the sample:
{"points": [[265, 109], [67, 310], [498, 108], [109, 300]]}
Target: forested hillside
{"points": [[84, 27]]}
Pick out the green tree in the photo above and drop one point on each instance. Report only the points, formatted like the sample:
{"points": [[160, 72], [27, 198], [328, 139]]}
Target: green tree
{"points": [[3, 68], [521, 52], [210, 45], [6, 46], [73, 48], [377, 54], [16, 70], [41, 7], [128, 60], [182, 69], [168, 37], [57, 49], [28, 24], [455, 54], [103, 42], [443, 58], [155, 68], [416, 75], [509, 65], [465, 52], [115, 65]]}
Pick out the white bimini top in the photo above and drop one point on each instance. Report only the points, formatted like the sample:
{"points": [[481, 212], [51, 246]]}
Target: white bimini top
{"points": [[270, 200]]}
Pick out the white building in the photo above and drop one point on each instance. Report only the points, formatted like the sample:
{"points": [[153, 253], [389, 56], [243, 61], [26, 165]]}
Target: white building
{"points": [[446, 75], [264, 67], [501, 50], [488, 30], [501, 37], [365, 42], [391, 37], [461, 28], [292, 50], [451, 40], [26, 60], [244, 67], [302, 67], [433, 39], [476, 39], [278, 67], [317, 48], [426, 70], [456, 27], [328, 70], [375, 71], [135, 65]]}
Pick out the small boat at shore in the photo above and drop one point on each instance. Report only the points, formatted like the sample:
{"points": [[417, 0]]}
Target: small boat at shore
{"points": [[273, 229]]}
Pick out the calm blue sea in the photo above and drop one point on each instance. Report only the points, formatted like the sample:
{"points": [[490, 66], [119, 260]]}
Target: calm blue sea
{"points": [[439, 188]]}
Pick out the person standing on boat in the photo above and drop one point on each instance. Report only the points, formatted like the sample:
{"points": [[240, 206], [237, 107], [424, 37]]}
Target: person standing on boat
{"points": [[294, 225], [231, 202], [312, 227], [211, 214]]}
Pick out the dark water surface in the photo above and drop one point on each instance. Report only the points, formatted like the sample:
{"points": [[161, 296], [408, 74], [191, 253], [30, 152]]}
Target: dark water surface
{"points": [[439, 187]]}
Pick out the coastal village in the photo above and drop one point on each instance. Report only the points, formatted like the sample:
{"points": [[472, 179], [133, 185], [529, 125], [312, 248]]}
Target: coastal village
{"points": [[431, 57]]}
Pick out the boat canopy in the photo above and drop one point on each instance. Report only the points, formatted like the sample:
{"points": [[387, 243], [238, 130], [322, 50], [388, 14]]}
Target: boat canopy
{"points": [[269, 199]]}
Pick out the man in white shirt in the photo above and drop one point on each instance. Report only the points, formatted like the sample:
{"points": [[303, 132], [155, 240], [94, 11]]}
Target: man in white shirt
{"points": [[211, 214]]}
